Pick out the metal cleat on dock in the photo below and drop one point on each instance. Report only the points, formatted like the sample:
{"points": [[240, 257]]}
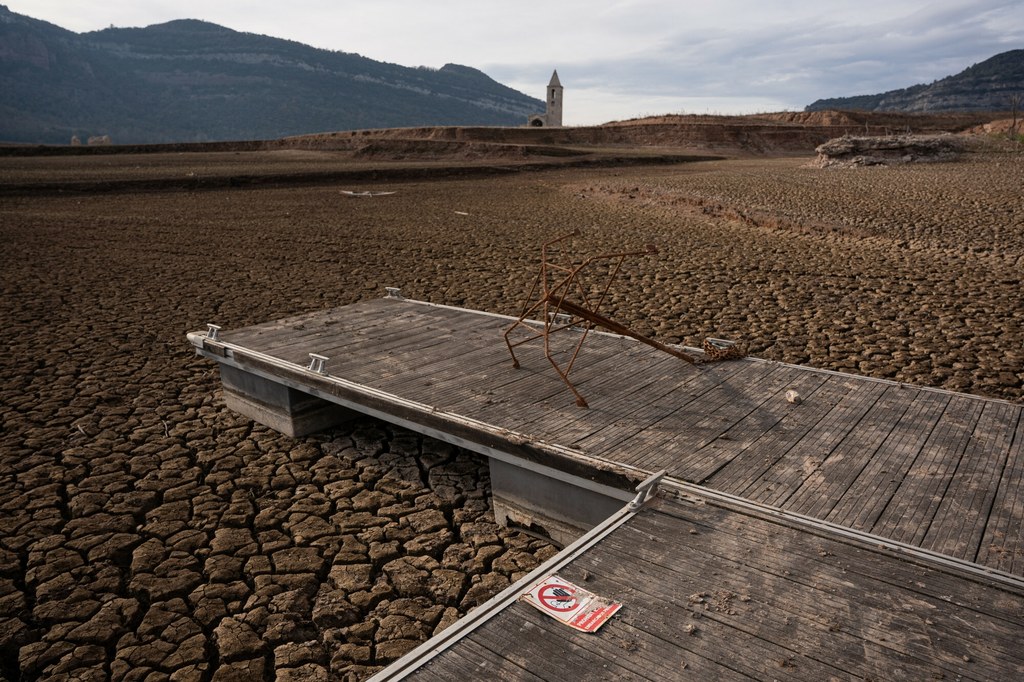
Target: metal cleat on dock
{"points": [[647, 489], [318, 364]]}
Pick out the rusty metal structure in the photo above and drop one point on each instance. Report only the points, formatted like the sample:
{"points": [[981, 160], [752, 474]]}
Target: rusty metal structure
{"points": [[563, 302]]}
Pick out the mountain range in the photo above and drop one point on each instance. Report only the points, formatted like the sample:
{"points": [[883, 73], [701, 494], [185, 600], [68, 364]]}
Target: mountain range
{"points": [[193, 81], [987, 86]]}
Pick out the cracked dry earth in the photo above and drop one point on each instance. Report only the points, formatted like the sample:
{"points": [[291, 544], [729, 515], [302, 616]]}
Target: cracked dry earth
{"points": [[212, 550], [148, 533]]}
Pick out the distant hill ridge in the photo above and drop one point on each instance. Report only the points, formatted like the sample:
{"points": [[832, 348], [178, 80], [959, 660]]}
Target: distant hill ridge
{"points": [[193, 81], [987, 86]]}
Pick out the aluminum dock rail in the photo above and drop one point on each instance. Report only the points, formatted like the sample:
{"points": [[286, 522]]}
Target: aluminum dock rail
{"points": [[933, 469], [718, 589]]}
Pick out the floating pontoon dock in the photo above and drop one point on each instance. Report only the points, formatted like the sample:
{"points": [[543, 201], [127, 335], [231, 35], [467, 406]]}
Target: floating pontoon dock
{"points": [[870, 530], [934, 469]]}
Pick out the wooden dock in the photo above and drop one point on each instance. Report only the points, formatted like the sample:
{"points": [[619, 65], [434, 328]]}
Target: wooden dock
{"points": [[933, 469], [714, 592]]}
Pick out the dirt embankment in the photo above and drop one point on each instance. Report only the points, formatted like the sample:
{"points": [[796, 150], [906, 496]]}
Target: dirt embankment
{"points": [[779, 133], [786, 133]]}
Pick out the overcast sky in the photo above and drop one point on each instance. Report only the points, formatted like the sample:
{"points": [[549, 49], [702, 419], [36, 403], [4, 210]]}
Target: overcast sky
{"points": [[622, 59]]}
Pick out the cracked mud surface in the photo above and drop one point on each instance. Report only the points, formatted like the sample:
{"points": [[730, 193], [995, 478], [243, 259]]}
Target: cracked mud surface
{"points": [[148, 533]]}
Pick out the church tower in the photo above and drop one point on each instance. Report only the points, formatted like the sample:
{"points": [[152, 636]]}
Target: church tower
{"points": [[554, 108], [552, 116]]}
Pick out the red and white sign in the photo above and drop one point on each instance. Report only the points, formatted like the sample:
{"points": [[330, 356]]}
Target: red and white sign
{"points": [[571, 604]]}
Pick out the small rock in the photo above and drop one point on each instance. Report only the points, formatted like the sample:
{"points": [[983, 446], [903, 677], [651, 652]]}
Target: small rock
{"points": [[240, 671], [392, 650], [297, 560], [236, 640], [332, 610], [295, 654], [309, 672]]}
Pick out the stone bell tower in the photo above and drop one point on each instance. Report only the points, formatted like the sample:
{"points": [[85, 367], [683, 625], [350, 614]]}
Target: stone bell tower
{"points": [[552, 117], [554, 108]]}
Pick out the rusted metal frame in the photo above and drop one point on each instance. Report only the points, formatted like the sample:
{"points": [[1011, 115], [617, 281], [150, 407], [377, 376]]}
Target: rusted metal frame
{"points": [[595, 318], [528, 310], [615, 327], [580, 400], [579, 344], [554, 301], [557, 296], [549, 299], [600, 300]]}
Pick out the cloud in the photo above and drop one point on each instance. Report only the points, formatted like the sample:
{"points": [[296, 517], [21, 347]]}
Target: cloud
{"points": [[795, 61]]}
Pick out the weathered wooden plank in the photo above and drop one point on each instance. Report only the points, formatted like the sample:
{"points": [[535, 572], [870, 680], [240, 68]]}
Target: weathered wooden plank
{"points": [[751, 463], [473, 661], [582, 375], [455, 363], [625, 648], [827, 627], [676, 393], [771, 565], [478, 357], [787, 473], [551, 650], [768, 545], [541, 389], [654, 392], [748, 432], [392, 360], [374, 320], [298, 329], [909, 515], [675, 607], [379, 363], [870, 493], [822, 489], [1002, 545], [612, 396], [486, 384], [392, 347], [764, 633], [670, 443], [966, 503], [337, 342]]}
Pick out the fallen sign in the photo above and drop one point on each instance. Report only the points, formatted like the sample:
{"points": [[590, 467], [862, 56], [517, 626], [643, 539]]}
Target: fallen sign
{"points": [[570, 604]]}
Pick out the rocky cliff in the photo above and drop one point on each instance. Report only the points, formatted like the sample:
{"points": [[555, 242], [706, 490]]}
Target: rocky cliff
{"points": [[988, 86]]}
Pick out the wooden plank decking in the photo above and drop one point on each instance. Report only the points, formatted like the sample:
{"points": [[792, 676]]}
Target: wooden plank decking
{"points": [[931, 468], [715, 593]]}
